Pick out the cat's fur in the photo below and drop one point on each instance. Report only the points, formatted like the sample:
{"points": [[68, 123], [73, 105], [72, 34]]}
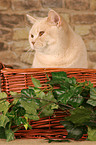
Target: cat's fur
{"points": [[56, 45]]}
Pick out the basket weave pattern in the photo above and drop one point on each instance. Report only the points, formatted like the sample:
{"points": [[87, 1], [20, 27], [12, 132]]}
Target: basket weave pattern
{"points": [[47, 127]]}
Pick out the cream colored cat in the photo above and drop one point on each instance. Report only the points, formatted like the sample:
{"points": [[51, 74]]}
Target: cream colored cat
{"points": [[56, 44]]}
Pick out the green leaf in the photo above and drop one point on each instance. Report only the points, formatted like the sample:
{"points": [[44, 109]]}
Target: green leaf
{"points": [[74, 131], [49, 96], [15, 113], [3, 120], [4, 106], [36, 82], [15, 101], [19, 120], [58, 92], [28, 92], [2, 133], [71, 96], [91, 134], [26, 126], [30, 106], [58, 78], [3, 95], [71, 81], [92, 99], [9, 135], [46, 112], [18, 110], [54, 106], [66, 83], [29, 126], [90, 124], [14, 93], [79, 115], [58, 75], [29, 87], [33, 93], [67, 124], [45, 108], [90, 85], [33, 117], [64, 98], [76, 89], [76, 101], [39, 93], [91, 102], [48, 106]]}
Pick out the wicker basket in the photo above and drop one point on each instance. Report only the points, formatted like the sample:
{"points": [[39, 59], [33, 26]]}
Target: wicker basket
{"points": [[47, 127]]}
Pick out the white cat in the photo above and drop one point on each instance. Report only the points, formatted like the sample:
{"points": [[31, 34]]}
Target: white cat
{"points": [[56, 45]]}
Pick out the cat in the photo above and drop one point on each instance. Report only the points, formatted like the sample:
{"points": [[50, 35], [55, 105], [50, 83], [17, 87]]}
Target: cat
{"points": [[55, 43]]}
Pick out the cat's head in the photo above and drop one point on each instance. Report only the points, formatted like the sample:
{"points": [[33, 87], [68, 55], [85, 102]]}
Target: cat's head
{"points": [[45, 31]]}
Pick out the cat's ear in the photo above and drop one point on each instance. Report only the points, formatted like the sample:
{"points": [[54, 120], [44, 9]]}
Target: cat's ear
{"points": [[31, 19], [54, 18]]}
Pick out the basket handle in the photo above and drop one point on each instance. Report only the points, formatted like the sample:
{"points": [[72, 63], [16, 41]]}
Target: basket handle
{"points": [[5, 66], [2, 65]]}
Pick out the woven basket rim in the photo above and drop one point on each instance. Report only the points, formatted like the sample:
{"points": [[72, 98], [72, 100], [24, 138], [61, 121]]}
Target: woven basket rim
{"points": [[46, 69]]}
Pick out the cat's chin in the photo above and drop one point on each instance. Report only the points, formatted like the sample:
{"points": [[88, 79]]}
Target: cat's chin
{"points": [[40, 49]]}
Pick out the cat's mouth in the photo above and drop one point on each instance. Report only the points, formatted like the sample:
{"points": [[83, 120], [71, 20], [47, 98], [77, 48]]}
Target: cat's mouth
{"points": [[39, 47]]}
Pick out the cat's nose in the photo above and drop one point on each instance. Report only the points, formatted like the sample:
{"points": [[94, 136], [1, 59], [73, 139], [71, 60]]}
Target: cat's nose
{"points": [[33, 42]]}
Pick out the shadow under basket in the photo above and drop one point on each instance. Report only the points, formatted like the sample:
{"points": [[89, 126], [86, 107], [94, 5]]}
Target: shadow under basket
{"points": [[47, 127]]}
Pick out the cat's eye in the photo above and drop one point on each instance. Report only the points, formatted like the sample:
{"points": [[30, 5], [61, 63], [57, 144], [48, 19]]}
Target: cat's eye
{"points": [[41, 33], [32, 35]]}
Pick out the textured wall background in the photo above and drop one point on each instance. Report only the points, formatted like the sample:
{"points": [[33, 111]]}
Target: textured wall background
{"points": [[14, 27]]}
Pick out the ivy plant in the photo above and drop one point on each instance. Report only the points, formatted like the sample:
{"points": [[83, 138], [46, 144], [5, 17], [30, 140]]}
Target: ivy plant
{"points": [[62, 92]]}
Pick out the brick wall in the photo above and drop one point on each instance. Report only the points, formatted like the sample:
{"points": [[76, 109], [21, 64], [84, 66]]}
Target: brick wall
{"points": [[14, 27]]}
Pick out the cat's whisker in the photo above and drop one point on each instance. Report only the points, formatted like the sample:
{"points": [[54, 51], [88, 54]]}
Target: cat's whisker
{"points": [[28, 52], [27, 48], [25, 54]]}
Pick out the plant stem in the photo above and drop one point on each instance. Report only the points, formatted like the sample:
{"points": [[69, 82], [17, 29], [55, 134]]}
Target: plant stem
{"points": [[43, 107], [39, 99]]}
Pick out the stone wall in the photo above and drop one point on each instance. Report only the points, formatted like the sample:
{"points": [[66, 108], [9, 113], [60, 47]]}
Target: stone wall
{"points": [[14, 27]]}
